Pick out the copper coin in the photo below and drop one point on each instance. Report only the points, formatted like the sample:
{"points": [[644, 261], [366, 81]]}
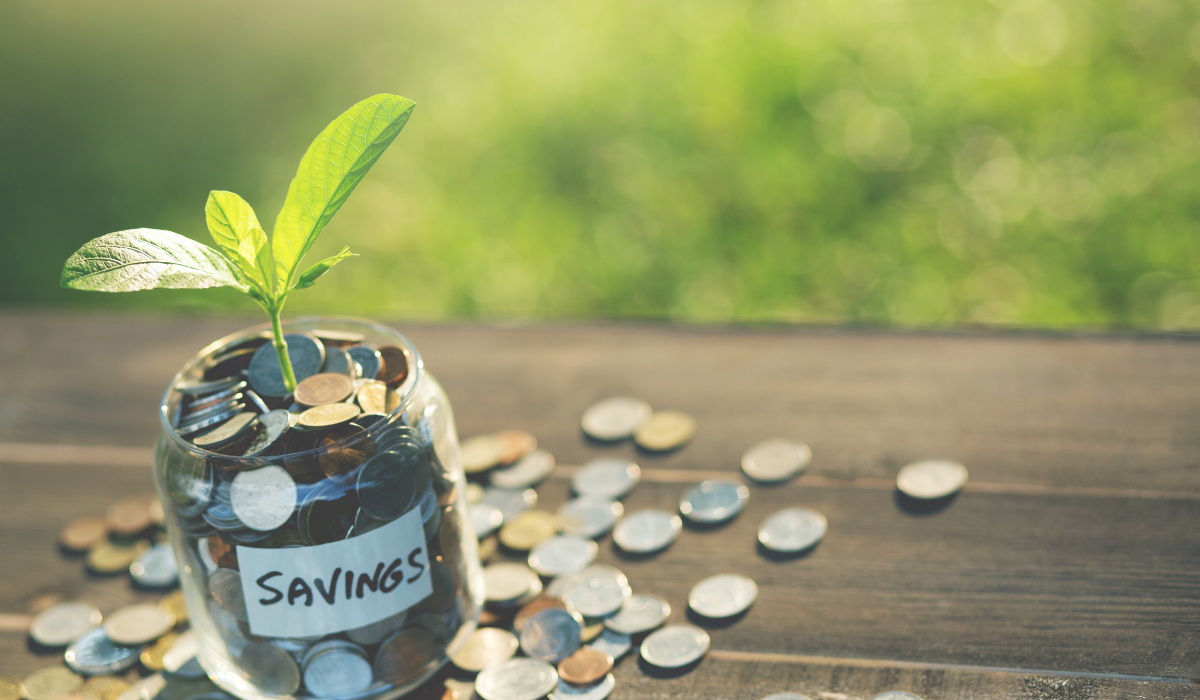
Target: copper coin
{"points": [[395, 365], [82, 533], [320, 389], [342, 458], [585, 666], [218, 548], [514, 444], [129, 516], [404, 655]]}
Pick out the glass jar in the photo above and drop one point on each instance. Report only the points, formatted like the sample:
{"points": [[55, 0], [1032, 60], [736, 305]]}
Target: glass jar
{"points": [[319, 560]]}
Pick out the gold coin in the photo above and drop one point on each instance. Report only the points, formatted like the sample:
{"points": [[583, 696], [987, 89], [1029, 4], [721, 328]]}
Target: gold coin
{"points": [[176, 605], [51, 682], [372, 396], [590, 632], [324, 388], [529, 529], [104, 687], [107, 557], [480, 453], [81, 533], [665, 430], [487, 547], [129, 516], [138, 624], [330, 415], [152, 656], [148, 687], [11, 688], [486, 646], [393, 400]]}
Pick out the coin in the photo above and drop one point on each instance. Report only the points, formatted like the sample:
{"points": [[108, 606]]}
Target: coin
{"points": [[104, 687], [94, 654], [272, 425], [11, 688], [63, 623], [195, 387], [528, 529], [597, 591], [176, 605], [129, 516], [323, 388], [474, 493], [931, 479], [327, 514], [675, 646], [392, 482], [50, 683], [510, 502], [405, 655], [598, 691], [585, 666], [607, 477], [516, 679], [189, 482], [776, 460], [229, 432], [480, 453], [562, 555], [152, 656], [156, 567], [270, 669], [147, 688], [639, 613], [786, 696], [372, 396], [792, 530], [81, 533], [616, 418], [713, 501], [368, 358], [304, 352], [225, 587], [487, 547], [202, 424], [526, 471], [485, 647], [533, 607], [338, 360], [180, 659], [485, 518], [666, 430], [506, 581], [138, 624], [108, 557], [394, 368], [615, 644], [377, 631], [589, 516], [338, 338], [327, 416], [723, 595], [336, 668], [896, 695], [263, 498], [646, 531], [551, 634], [514, 444]]}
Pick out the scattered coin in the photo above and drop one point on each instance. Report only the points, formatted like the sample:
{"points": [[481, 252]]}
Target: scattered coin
{"points": [[562, 555], [474, 493], [264, 498], [176, 605], [551, 634], [514, 444], [639, 613], [11, 688], [713, 501], [50, 683], [896, 695], [535, 606], [63, 623], [368, 358], [395, 363], [589, 516], [485, 518], [647, 531], [480, 453], [510, 502], [591, 631], [506, 581], [776, 460], [485, 647], [306, 354], [666, 430], [487, 547], [931, 478], [516, 679], [320, 389], [786, 696], [156, 567], [598, 591], [792, 530], [616, 418], [585, 666], [527, 530], [94, 654], [529, 470], [108, 557], [607, 477], [675, 646], [336, 668], [152, 656], [723, 595], [147, 688], [615, 644], [81, 533], [328, 416], [270, 669], [129, 516], [598, 691], [138, 624], [104, 687]]}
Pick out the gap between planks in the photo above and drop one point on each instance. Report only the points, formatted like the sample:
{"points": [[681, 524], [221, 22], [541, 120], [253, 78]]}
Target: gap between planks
{"points": [[113, 456]]}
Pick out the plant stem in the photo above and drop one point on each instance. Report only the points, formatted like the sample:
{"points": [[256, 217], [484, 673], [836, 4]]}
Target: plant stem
{"points": [[281, 350]]}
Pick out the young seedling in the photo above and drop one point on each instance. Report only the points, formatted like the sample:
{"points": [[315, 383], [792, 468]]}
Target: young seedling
{"points": [[245, 259]]}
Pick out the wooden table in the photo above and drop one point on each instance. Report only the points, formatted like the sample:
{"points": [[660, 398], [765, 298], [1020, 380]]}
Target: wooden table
{"points": [[1069, 567]]}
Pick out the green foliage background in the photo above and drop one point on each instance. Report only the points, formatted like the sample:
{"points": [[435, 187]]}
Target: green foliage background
{"points": [[918, 163]]}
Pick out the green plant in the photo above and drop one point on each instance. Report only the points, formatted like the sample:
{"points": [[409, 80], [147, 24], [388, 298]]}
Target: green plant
{"points": [[245, 258]]}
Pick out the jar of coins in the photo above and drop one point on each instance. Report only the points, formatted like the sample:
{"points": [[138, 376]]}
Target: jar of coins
{"points": [[322, 534]]}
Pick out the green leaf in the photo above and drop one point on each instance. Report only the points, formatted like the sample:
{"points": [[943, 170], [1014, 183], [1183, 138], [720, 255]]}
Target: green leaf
{"points": [[231, 221], [253, 256], [146, 258], [311, 275], [333, 165]]}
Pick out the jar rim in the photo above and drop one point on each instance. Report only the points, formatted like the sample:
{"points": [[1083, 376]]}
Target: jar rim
{"points": [[409, 386]]}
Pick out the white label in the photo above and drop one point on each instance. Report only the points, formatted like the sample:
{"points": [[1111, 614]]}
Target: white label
{"points": [[309, 591]]}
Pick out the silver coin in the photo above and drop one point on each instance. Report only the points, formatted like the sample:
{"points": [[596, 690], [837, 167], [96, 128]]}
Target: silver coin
{"points": [[336, 668], [607, 477], [94, 654], [156, 567], [675, 646], [225, 587], [647, 531], [792, 530], [369, 360], [270, 669], [723, 595], [272, 426], [306, 354], [338, 361], [510, 502], [64, 623], [589, 516], [598, 591], [931, 479], [896, 695], [233, 403], [255, 401], [615, 644], [507, 581], [198, 388], [264, 498], [640, 613], [776, 460], [786, 696], [713, 501], [199, 425], [596, 691], [485, 518], [616, 418], [551, 634], [378, 631], [529, 470], [562, 555], [516, 679], [229, 432]]}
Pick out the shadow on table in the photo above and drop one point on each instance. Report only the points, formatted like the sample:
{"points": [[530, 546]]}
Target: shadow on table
{"points": [[921, 506], [714, 623], [656, 672], [772, 555]]}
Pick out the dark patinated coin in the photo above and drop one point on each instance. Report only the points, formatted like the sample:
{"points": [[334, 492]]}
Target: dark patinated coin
{"points": [[390, 482], [306, 354], [229, 432], [196, 387], [272, 426], [348, 447], [229, 364], [338, 361], [368, 359], [395, 365], [327, 514]]}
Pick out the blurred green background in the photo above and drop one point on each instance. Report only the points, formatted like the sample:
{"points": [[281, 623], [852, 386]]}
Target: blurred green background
{"points": [[1031, 162]]}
